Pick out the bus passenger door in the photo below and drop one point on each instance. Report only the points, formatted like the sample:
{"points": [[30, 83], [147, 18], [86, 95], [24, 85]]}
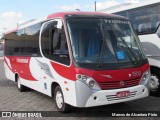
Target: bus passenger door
{"points": [[54, 49]]}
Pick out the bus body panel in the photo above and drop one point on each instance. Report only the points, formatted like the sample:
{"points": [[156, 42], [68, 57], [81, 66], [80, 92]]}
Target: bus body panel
{"points": [[152, 48], [150, 44], [154, 62], [8, 70], [43, 75], [120, 75]]}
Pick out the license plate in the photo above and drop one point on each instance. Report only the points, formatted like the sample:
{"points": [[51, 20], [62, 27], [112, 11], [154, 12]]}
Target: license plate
{"points": [[123, 94]]}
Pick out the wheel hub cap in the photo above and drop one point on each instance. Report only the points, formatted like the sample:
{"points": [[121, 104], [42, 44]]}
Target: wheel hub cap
{"points": [[154, 84], [59, 99]]}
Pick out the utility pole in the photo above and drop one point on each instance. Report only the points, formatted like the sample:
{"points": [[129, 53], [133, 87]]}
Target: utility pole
{"points": [[95, 4]]}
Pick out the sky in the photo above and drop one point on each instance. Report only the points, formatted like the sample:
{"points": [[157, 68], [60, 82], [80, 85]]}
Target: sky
{"points": [[13, 12]]}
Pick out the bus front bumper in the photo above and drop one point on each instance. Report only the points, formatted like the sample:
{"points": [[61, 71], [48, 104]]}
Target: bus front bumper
{"points": [[104, 97]]}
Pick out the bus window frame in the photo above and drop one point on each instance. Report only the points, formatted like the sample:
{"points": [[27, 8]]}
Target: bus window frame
{"points": [[141, 8], [68, 43]]}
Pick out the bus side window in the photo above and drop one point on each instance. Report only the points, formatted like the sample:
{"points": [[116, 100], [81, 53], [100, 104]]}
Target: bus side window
{"points": [[60, 47], [54, 43], [145, 27]]}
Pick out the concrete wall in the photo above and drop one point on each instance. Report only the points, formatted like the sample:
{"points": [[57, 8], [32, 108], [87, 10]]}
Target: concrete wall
{"points": [[1, 53], [1, 49]]}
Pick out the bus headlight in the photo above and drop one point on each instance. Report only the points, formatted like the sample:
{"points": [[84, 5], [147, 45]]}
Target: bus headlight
{"points": [[145, 77], [84, 78], [89, 81], [91, 84]]}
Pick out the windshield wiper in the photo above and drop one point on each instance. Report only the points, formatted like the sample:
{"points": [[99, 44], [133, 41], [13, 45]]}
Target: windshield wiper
{"points": [[101, 55], [130, 51]]}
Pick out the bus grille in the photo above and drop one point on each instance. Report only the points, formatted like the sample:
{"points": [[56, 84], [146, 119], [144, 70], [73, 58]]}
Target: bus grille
{"points": [[119, 84]]}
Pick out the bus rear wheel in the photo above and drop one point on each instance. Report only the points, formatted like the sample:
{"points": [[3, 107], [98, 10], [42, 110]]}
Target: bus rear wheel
{"points": [[155, 82], [21, 87], [59, 100]]}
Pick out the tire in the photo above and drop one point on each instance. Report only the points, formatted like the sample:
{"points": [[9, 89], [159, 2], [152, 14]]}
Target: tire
{"points": [[20, 87], [59, 100], [155, 82]]}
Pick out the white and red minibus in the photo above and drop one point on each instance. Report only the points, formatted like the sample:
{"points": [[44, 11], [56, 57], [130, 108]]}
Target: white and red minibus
{"points": [[81, 59]]}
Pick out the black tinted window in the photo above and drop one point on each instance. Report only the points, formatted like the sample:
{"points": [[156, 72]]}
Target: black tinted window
{"points": [[24, 42], [32, 40], [54, 43], [19, 43], [9, 44]]}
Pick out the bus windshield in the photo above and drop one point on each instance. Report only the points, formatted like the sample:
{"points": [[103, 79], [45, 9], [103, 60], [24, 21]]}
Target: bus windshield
{"points": [[104, 40]]}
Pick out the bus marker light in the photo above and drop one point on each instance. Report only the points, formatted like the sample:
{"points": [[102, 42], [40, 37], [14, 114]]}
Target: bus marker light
{"points": [[67, 89]]}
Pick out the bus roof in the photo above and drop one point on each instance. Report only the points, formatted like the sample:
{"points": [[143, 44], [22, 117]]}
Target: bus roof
{"points": [[128, 6], [62, 14], [26, 24], [59, 15]]}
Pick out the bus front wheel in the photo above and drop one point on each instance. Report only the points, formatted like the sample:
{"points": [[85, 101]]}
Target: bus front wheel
{"points": [[155, 82], [59, 100]]}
